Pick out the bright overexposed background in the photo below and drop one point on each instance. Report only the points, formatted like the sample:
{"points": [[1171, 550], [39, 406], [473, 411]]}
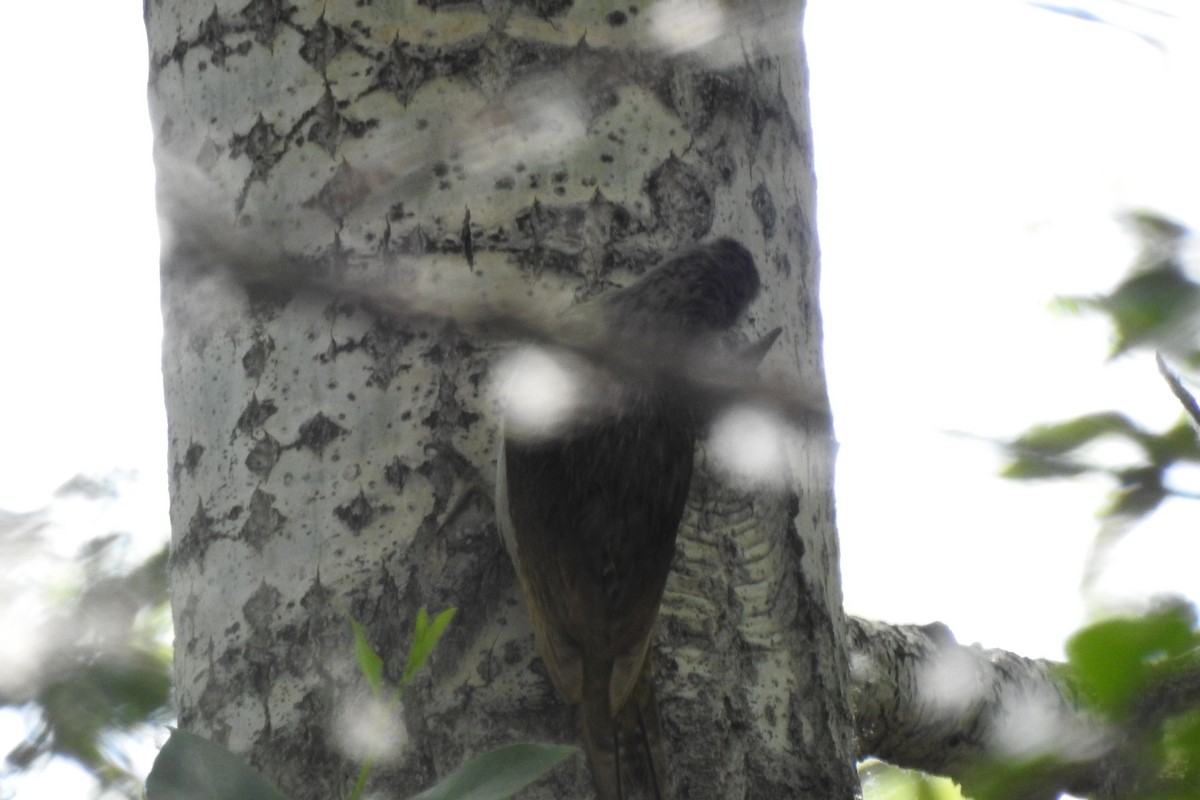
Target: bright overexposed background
{"points": [[972, 158]]}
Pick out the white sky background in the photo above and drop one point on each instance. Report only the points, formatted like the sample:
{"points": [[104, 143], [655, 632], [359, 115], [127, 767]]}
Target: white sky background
{"points": [[971, 157]]}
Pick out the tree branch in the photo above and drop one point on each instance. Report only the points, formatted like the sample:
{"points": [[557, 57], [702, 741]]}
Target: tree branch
{"points": [[923, 701]]}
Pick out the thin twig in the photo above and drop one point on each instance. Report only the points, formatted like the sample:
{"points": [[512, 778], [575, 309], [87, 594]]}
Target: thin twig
{"points": [[1186, 398]]}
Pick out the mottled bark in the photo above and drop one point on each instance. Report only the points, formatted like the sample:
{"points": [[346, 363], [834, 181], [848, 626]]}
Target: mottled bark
{"points": [[347, 185]]}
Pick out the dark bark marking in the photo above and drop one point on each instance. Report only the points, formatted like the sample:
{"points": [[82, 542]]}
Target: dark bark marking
{"points": [[345, 190], [263, 520], [263, 456], [318, 432], [255, 414], [764, 208], [358, 513]]}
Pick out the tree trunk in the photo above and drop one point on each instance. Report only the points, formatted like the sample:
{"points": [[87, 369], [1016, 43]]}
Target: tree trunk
{"points": [[349, 189]]}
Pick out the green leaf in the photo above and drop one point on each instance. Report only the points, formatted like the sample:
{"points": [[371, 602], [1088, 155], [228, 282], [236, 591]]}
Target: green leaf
{"points": [[882, 781], [1145, 307], [1140, 493], [497, 773], [1177, 444], [369, 661], [1005, 778], [1073, 306], [1181, 746], [1116, 658], [1062, 437], [1035, 468], [90, 701], [425, 638], [190, 767]]}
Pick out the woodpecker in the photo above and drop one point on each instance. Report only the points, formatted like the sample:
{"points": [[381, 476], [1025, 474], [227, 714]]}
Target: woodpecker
{"points": [[590, 510]]}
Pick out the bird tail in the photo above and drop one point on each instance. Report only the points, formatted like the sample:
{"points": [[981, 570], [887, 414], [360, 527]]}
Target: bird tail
{"points": [[624, 750]]}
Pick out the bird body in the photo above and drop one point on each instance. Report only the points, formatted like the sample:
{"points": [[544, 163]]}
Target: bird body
{"points": [[591, 512]]}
